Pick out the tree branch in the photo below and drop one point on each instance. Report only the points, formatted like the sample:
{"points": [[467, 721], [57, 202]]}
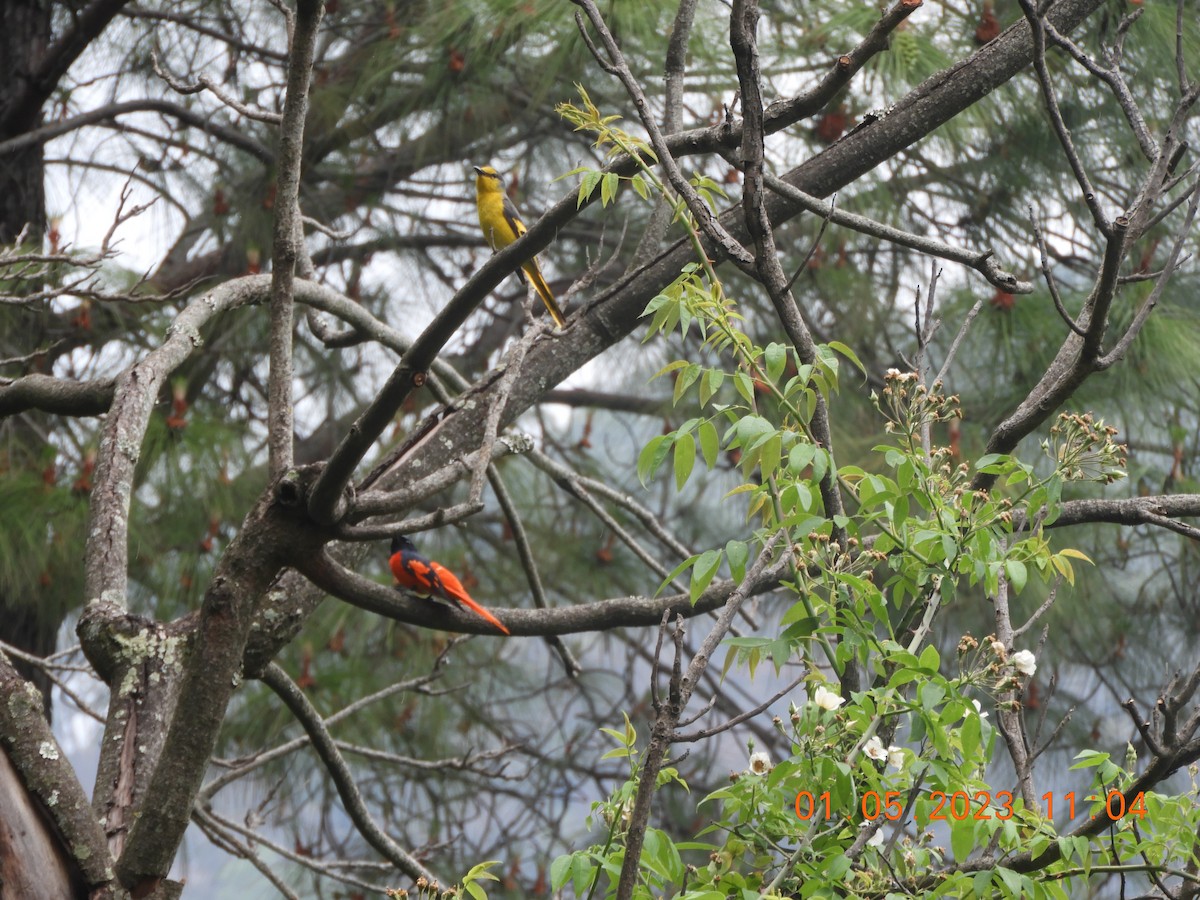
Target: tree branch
{"points": [[289, 235], [109, 113], [278, 681], [621, 612], [48, 776]]}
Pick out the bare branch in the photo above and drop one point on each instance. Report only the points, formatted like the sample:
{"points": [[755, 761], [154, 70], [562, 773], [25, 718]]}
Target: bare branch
{"points": [[289, 234], [110, 113], [601, 615], [1143, 314], [1050, 97], [1110, 75], [204, 83], [512, 515], [1128, 511], [277, 680], [1048, 275], [981, 262], [664, 725]]}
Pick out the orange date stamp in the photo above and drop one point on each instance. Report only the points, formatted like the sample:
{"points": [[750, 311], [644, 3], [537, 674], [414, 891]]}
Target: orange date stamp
{"points": [[960, 805]]}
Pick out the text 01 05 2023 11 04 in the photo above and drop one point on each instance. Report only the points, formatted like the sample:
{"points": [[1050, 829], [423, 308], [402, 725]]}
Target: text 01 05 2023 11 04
{"points": [[960, 805]]}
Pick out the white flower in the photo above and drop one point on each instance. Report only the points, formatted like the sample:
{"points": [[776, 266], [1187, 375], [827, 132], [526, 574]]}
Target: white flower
{"points": [[826, 699], [979, 709], [1024, 662], [874, 748], [760, 763], [875, 840]]}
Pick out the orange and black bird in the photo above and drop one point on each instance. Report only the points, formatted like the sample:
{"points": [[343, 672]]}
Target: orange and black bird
{"points": [[425, 578]]}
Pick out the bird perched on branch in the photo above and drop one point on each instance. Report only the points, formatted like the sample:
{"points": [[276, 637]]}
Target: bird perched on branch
{"points": [[501, 224], [425, 578]]}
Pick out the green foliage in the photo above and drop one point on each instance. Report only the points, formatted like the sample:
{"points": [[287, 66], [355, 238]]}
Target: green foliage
{"points": [[866, 584]]}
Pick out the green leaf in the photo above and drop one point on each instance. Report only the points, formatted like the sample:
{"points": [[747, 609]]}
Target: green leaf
{"points": [[1011, 880], [737, 552], [638, 183], [962, 834], [800, 456], [849, 354], [776, 359], [769, 461], [609, 186], [586, 186], [713, 379], [991, 464], [1090, 759], [702, 573], [685, 459], [560, 871], [971, 736], [685, 380], [671, 366], [652, 457], [1076, 554], [820, 464], [1017, 574], [744, 386], [710, 444], [676, 572], [837, 867], [582, 873]]}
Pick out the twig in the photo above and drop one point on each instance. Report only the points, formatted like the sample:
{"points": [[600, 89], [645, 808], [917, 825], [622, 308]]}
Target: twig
{"points": [[1040, 611], [694, 736], [982, 262], [513, 516], [815, 245], [204, 83], [278, 681], [235, 847], [1049, 277], [1049, 96], [419, 685]]}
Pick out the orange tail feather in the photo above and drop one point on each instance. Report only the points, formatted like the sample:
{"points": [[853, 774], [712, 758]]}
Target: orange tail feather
{"points": [[455, 591], [482, 613]]}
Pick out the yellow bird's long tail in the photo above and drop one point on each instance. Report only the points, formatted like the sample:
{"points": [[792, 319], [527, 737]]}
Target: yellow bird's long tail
{"points": [[534, 273]]}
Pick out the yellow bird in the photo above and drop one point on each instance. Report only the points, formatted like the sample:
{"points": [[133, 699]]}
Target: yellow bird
{"points": [[501, 224]]}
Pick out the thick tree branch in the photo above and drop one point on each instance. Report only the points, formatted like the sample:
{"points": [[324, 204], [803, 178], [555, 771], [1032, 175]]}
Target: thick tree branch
{"points": [[135, 394], [622, 612], [1128, 511], [48, 776], [274, 534], [56, 395], [37, 86]]}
